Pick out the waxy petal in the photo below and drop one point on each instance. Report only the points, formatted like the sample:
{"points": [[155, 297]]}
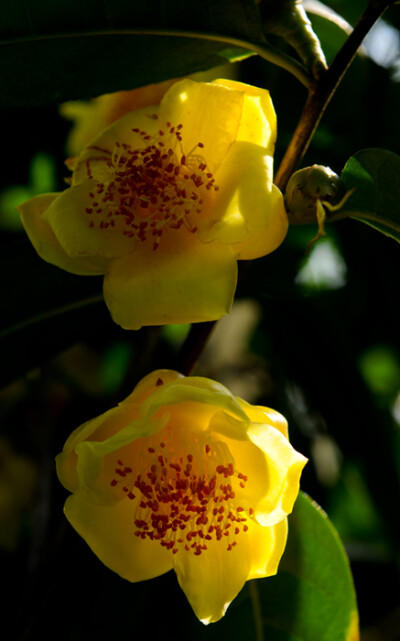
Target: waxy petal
{"points": [[284, 465], [110, 533], [211, 581], [209, 395], [70, 222], [267, 546], [93, 159], [193, 283], [258, 118], [248, 212], [259, 414], [209, 113], [46, 243], [92, 116]]}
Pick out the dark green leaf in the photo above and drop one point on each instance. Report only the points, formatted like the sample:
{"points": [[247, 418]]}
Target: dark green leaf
{"points": [[312, 597], [51, 52], [375, 175]]}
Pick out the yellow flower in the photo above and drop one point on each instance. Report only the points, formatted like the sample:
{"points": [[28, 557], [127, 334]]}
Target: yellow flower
{"points": [[182, 475], [164, 202]]}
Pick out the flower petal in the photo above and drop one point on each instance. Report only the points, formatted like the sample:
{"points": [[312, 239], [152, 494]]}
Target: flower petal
{"points": [[110, 532], [260, 414], [69, 221], [258, 118], [100, 150], [46, 243], [270, 233], [208, 112], [150, 383], [284, 465], [183, 285], [91, 116], [248, 459], [267, 546], [207, 394], [213, 579], [249, 211]]}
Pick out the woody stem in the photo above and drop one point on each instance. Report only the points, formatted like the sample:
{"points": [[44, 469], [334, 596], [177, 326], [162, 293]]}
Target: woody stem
{"points": [[322, 91]]}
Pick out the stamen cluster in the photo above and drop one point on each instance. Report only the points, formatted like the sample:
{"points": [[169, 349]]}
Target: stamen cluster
{"points": [[150, 189], [181, 507]]}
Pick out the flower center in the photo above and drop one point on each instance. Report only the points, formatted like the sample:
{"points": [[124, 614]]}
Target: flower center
{"points": [[184, 502], [150, 189]]}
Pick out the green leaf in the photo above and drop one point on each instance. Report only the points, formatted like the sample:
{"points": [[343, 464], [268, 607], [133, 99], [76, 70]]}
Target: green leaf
{"points": [[55, 51], [375, 176], [311, 598]]}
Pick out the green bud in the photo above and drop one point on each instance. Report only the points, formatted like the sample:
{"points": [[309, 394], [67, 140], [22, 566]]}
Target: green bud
{"points": [[310, 186]]}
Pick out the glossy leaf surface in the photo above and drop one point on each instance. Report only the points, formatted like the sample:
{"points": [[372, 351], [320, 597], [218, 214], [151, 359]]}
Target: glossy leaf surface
{"points": [[52, 52]]}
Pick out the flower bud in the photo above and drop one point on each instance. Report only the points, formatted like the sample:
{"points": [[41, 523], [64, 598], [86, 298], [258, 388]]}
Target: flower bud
{"points": [[308, 186]]}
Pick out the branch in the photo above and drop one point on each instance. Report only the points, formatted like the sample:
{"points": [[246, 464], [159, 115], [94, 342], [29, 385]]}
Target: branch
{"points": [[190, 352], [323, 90]]}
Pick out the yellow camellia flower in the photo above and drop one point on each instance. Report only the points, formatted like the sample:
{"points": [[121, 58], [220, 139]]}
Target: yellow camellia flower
{"points": [[183, 475], [165, 201]]}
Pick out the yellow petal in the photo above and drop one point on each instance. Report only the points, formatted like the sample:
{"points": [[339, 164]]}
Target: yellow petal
{"points": [[186, 391], [110, 532], [209, 113], [284, 466], [191, 283], [270, 234], [97, 429], [267, 546], [249, 211], [100, 150], [88, 458], [249, 459], [92, 116], [70, 223], [260, 414], [213, 579], [150, 383], [45, 242], [258, 118]]}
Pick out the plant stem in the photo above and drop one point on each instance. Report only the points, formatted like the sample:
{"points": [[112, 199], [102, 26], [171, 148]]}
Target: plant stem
{"points": [[323, 90], [190, 352]]}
